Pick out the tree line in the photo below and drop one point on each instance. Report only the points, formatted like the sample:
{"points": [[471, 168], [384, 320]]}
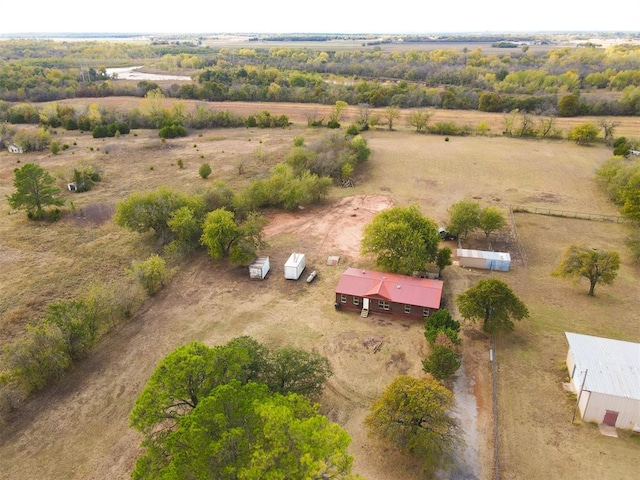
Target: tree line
{"points": [[440, 78]]}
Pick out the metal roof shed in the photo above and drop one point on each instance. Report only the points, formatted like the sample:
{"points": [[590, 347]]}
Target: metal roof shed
{"points": [[605, 374], [483, 259]]}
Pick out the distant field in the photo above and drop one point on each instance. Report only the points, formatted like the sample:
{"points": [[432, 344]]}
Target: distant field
{"points": [[79, 428]]}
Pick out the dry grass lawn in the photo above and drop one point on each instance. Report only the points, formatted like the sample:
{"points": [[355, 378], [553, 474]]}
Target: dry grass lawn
{"points": [[79, 429]]}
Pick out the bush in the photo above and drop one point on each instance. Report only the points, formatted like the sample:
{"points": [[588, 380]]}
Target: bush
{"points": [[38, 358], [78, 324], [172, 131], [54, 148], [151, 273], [205, 170]]}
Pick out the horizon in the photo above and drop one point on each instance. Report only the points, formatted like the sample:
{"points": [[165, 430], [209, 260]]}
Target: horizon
{"points": [[404, 17]]}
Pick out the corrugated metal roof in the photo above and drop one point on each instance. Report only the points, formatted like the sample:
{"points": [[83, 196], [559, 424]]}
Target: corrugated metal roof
{"points": [[613, 366], [421, 292], [503, 256]]}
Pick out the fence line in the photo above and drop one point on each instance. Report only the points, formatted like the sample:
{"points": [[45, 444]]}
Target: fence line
{"points": [[516, 237], [496, 438], [569, 214]]}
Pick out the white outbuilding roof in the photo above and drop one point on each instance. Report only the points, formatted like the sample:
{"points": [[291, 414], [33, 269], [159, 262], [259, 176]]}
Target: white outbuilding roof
{"points": [[613, 366]]}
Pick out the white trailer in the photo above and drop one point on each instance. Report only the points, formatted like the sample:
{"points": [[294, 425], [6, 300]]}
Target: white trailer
{"points": [[294, 266], [259, 268]]}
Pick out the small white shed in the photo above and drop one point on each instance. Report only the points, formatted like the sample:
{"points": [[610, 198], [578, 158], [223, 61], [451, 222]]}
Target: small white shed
{"points": [[294, 266], [483, 259], [259, 268], [605, 375]]}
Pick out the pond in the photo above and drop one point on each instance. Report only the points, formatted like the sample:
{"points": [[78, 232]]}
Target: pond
{"points": [[132, 73]]}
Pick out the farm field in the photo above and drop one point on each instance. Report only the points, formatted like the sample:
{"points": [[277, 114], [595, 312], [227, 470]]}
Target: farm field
{"points": [[79, 428]]}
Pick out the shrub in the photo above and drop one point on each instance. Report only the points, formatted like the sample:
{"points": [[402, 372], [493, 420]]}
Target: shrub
{"points": [[151, 273], [54, 148], [205, 170], [38, 358], [172, 131]]}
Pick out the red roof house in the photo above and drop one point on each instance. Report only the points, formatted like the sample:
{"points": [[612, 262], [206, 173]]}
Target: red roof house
{"points": [[368, 291]]}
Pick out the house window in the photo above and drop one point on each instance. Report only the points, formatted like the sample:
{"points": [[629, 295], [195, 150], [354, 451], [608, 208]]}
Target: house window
{"points": [[343, 298], [356, 301], [407, 309], [425, 312], [382, 305]]}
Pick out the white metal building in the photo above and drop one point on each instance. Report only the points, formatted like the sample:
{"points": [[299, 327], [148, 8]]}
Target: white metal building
{"points": [[605, 374], [484, 259]]}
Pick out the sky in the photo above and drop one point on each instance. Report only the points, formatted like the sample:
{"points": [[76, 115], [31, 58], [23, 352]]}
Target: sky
{"points": [[324, 16]]}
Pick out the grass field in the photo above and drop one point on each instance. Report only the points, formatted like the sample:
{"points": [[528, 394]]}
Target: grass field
{"points": [[79, 429]]}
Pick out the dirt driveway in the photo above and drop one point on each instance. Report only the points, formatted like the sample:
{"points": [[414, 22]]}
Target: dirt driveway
{"points": [[79, 429]]}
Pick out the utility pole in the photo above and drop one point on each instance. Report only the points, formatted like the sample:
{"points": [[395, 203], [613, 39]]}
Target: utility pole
{"points": [[575, 410]]}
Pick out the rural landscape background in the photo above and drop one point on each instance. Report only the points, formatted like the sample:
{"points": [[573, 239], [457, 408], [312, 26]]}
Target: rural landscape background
{"points": [[487, 146]]}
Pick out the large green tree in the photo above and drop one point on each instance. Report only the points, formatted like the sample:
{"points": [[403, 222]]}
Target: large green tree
{"points": [[189, 373], [35, 190], [142, 212], [464, 217], [491, 220], [237, 411], [402, 239], [247, 432], [224, 237], [292, 370], [494, 303], [597, 266], [414, 415]]}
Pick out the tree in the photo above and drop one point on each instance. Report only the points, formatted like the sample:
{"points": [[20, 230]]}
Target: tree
{"points": [[492, 301], [419, 120], [188, 375], [186, 225], [390, 114], [402, 239], [608, 128], [335, 117], [583, 134], [569, 106], [491, 220], [464, 217], [441, 322], [224, 237], [35, 189], [443, 259], [442, 362], [142, 212], [245, 431], [205, 170], [597, 266], [413, 414], [297, 371]]}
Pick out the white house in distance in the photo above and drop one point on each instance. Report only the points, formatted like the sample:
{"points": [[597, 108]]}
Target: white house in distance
{"points": [[605, 374]]}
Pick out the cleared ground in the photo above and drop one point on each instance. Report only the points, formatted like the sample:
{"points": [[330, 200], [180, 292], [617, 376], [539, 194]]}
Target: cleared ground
{"points": [[79, 428]]}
